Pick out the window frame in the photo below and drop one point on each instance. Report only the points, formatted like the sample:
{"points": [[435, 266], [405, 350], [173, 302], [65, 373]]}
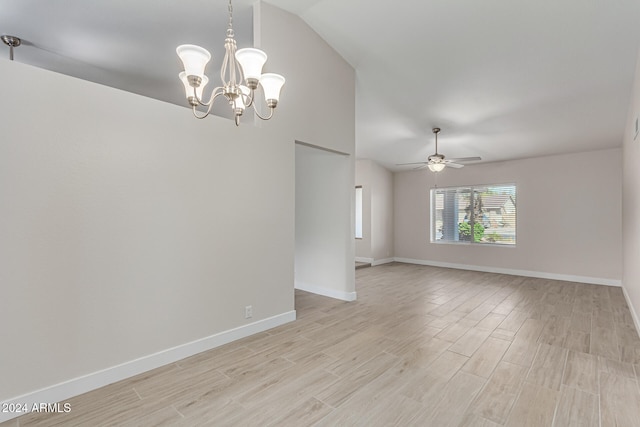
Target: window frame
{"points": [[472, 190]]}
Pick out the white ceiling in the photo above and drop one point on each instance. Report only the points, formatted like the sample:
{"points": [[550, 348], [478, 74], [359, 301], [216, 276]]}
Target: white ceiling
{"points": [[504, 79]]}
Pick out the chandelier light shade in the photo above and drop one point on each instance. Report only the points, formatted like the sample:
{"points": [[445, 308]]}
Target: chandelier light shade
{"points": [[194, 58], [251, 60], [241, 75], [271, 85], [189, 90]]}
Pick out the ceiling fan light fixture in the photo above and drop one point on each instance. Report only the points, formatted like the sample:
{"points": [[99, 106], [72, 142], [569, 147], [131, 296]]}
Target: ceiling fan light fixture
{"points": [[436, 167], [436, 162]]}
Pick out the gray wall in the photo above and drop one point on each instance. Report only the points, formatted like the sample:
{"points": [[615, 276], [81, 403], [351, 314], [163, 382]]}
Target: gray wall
{"points": [[128, 225], [318, 99], [569, 216], [318, 109], [323, 230], [376, 245], [381, 213]]}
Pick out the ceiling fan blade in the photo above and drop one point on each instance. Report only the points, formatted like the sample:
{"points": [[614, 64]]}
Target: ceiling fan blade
{"points": [[415, 163], [466, 159], [454, 165], [419, 167]]}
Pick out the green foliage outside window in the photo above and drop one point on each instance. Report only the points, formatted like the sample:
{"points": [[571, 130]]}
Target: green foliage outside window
{"points": [[464, 231]]}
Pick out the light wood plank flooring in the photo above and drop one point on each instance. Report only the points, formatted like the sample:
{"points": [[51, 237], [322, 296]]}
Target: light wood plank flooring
{"points": [[422, 346]]}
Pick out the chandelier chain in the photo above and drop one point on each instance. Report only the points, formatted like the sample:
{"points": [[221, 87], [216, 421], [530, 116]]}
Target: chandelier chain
{"points": [[230, 29]]}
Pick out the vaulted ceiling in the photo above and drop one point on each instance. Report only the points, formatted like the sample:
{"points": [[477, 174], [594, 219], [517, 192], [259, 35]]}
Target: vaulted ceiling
{"points": [[503, 79]]}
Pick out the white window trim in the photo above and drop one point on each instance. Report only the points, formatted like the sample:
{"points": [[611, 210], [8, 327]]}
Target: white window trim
{"points": [[432, 224]]}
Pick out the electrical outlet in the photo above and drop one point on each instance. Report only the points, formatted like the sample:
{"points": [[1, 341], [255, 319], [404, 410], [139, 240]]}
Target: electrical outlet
{"points": [[248, 312]]}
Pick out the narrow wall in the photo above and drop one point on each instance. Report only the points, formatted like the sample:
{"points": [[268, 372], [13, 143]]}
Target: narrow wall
{"points": [[321, 200], [376, 245], [127, 226], [381, 214], [569, 217], [317, 105], [631, 202]]}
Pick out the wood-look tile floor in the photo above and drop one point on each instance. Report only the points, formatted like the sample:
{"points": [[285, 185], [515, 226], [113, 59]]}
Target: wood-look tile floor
{"points": [[422, 346]]}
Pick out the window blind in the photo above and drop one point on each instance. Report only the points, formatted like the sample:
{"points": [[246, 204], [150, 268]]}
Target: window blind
{"points": [[484, 214]]}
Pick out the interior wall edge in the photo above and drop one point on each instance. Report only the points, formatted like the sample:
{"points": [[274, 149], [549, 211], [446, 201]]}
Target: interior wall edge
{"points": [[634, 314]]}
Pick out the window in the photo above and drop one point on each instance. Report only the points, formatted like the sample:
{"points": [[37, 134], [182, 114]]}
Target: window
{"points": [[480, 214], [358, 212]]}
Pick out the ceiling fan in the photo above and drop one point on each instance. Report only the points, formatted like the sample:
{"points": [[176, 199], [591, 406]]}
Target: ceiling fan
{"points": [[436, 162]]}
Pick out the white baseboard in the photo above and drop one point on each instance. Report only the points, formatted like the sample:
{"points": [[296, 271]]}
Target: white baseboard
{"points": [[374, 262], [95, 380], [634, 315], [526, 273], [382, 261], [331, 293]]}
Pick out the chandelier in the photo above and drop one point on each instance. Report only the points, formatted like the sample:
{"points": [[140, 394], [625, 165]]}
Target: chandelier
{"points": [[238, 66]]}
